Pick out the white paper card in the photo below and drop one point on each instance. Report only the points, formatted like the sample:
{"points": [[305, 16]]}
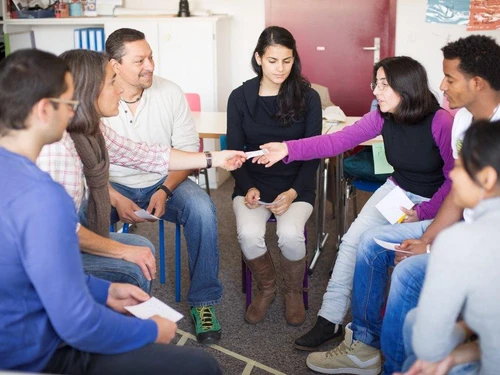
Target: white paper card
{"points": [[269, 204], [389, 205], [152, 307], [390, 245], [143, 214], [252, 154]]}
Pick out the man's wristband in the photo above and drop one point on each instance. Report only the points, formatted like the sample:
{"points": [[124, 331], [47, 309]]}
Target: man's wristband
{"points": [[208, 155], [166, 190], [428, 248]]}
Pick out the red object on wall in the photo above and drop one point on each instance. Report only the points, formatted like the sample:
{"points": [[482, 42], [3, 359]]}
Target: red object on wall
{"points": [[330, 37]]}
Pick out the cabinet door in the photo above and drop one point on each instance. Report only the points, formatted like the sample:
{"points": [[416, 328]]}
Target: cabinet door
{"points": [[187, 57], [150, 30]]}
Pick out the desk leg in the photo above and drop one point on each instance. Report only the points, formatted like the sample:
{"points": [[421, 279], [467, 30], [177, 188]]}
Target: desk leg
{"points": [[339, 199], [321, 235]]}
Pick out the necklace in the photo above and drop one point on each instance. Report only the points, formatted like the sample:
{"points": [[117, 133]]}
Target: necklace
{"points": [[133, 101]]}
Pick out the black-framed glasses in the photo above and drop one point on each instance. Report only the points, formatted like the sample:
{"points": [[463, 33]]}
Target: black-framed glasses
{"points": [[72, 103], [381, 86]]}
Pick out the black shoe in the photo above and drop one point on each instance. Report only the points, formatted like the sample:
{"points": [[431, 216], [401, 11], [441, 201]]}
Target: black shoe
{"points": [[324, 332]]}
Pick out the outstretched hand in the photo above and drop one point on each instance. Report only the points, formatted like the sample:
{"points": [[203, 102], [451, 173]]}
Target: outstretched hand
{"points": [[276, 152], [228, 159]]}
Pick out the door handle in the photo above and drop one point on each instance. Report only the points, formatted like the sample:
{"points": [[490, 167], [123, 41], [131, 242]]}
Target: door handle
{"points": [[376, 50]]}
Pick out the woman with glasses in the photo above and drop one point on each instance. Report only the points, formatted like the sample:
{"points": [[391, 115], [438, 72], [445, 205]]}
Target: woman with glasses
{"points": [[278, 104], [417, 140], [80, 162]]}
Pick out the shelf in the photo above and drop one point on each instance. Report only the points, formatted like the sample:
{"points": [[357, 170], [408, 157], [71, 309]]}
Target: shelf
{"points": [[57, 21]]}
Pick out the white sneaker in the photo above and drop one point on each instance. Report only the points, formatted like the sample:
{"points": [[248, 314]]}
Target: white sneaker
{"points": [[350, 357]]}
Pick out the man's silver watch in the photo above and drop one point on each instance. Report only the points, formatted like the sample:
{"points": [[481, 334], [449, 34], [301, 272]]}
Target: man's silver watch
{"points": [[208, 155]]}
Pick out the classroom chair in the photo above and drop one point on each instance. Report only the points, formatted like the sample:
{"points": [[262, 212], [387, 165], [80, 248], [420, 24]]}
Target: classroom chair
{"points": [[161, 235], [194, 103], [246, 276]]}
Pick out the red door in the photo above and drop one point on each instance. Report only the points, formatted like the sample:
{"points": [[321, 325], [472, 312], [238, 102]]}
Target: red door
{"points": [[330, 37]]}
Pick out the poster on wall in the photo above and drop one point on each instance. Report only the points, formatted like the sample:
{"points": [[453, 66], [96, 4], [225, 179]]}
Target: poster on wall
{"points": [[448, 11], [484, 15]]}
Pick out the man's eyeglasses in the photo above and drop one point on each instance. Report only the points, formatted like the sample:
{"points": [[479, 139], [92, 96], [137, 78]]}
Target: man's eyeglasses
{"points": [[72, 103], [381, 86]]}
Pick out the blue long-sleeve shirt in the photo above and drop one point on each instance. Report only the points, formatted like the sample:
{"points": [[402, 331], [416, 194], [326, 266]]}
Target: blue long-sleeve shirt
{"points": [[45, 298]]}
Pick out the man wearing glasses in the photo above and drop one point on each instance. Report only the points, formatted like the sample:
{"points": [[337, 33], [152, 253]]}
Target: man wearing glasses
{"points": [[53, 318]]}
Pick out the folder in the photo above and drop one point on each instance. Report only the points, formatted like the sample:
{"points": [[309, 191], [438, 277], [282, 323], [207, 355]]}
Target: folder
{"points": [[99, 36], [84, 38], [77, 39], [92, 40]]}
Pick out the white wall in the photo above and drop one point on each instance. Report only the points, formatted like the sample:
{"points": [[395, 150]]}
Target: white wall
{"points": [[423, 41], [248, 21]]}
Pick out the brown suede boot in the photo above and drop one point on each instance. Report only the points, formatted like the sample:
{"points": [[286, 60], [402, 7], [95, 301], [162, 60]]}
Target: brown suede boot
{"points": [[293, 276], [262, 269]]}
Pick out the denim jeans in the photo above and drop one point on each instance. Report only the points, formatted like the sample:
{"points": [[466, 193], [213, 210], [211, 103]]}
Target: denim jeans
{"points": [[119, 270], [194, 210], [469, 368], [337, 298], [370, 282]]}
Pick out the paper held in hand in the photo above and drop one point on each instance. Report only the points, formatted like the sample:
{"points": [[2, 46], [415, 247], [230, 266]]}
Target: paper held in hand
{"points": [[390, 205], [390, 245], [270, 204], [152, 307], [252, 154], [143, 214]]}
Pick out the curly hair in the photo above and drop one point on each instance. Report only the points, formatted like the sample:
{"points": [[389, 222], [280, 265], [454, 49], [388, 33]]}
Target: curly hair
{"points": [[479, 56]]}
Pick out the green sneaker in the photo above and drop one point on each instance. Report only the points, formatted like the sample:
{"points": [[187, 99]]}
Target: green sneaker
{"points": [[207, 326]]}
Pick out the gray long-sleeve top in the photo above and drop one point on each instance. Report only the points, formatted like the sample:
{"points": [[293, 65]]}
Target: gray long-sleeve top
{"points": [[463, 276]]}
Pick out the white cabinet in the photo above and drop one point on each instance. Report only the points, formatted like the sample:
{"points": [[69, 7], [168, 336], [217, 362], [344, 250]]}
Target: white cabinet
{"points": [[193, 52]]}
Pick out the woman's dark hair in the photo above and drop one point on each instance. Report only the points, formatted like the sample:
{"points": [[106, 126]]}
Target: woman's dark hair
{"points": [[26, 77], [292, 94], [408, 78], [89, 70], [481, 148]]}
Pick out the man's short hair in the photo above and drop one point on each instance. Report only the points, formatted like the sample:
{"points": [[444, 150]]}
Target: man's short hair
{"points": [[115, 44], [479, 56], [26, 77]]}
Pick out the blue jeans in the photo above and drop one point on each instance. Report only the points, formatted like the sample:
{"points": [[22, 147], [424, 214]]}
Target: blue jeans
{"points": [[192, 208], [369, 290], [113, 269], [469, 368], [337, 299]]}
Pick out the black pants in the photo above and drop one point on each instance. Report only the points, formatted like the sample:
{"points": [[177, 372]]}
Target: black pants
{"points": [[150, 359]]}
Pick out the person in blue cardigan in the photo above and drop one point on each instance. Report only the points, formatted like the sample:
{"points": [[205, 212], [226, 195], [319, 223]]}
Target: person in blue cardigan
{"points": [[53, 318]]}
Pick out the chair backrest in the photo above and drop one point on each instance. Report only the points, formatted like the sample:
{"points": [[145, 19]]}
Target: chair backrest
{"points": [[194, 102]]}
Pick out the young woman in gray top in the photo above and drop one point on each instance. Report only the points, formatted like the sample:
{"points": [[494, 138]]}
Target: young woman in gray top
{"points": [[462, 278]]}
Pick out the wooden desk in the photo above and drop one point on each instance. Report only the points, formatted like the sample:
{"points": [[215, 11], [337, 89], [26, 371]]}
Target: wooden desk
{"points": [[210, 124]]}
